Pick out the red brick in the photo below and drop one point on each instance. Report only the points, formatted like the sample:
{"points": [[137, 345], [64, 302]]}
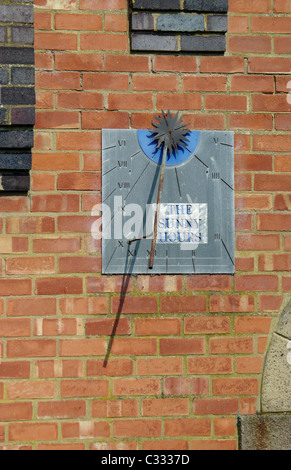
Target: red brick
{"points": [[116, 22], [76, 223], [258, 242], [105, 119], [78, 141], [78, 22], [130, 305], [279, 262], [253, 202], [204, 282], [57, 80], [57, 120], [160, 283], [83, 347], [210, 365], [136, 387], [270, 24], [248, 405], [104, 42], [63, 446], [31, 389], [13, 204], [276, 221], [124, 63], [247, 6], [251, 121], [83, 306], [79, 100], [58, 286], [84, 388], [249, 44], [114, 408], [282, 163], [179, 101], [214, 444], [270, 303], [105, 81], [206, 325], [160, 366], [203, 83], [31, 307], [68, 368], [9, 287], [138, 428], [31, 348], [35, 265], [15, 411], [175, 346], [270, 103], [225, 426], [57, 245], [229, 345], [252, 83], [79, 181], [42, 20], [282, 6], [43, 182], [180, 304], [169, 444], [283, 84], [105, 327], [13, 244], [54, 327], [157, 326], [79, 264], [30, 224], [186, 386], [272, 65], [12, 327], [222, 65], [107, 284], [55, 41], [103, 5], [15, 370], [125, 101], [165, 407], [226, 102], [188, 427], [155, 83], [134, 346], [86, 430], [232, 303], [114, 367], [216, 406], [33, 432], [249, 365], [174, 64], [235, 386], [256, 282], [61, 409]]}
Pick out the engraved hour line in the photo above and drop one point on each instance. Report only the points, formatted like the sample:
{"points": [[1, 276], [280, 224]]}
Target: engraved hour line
{"points": [[227, 252], [178, 183], [226, 184], [193, 260], [109, 194], [201, 161], [108, 148], [137, 181], [226, 145], [135, 154], [106, 173], [111, 258]]}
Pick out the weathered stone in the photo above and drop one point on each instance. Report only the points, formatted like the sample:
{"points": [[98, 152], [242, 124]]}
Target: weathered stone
{"points": [[215, 6], [203, 43], [183, 23], [217, 23], [142, 22], [18, 95], [22, 35], [284, 327], [276, 381], [14, 161], [156, 4], [22, 76], [17, 55], [16, 139], [16, 14], [153, 42], [265, 432]]}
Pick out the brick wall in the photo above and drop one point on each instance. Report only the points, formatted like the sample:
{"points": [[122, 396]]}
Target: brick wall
{"points": [[188, 353], [17, 95]]}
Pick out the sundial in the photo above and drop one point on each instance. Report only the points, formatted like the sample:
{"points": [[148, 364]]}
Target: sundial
{"points": [[167, 199]]}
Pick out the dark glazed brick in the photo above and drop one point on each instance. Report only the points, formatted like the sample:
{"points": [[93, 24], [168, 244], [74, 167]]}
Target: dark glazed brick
{"points": [[184, 23], [149, 42], [12, 161], [214, 6], [203, 43], [16, 13], [16, 139], [217, 23], [14, 182], [4, 78], [2, 34], [142, 22], [17, 55], [22, 76], [156, 4], [22, 116], [22, 35], [3, 116], [17, 95]]}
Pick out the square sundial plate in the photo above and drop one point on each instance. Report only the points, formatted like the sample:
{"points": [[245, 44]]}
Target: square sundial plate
{"points": [[196, 220]]}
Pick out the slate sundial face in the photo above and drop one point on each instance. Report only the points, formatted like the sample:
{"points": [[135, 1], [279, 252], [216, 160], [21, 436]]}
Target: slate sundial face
{"points": [[168, 200]]}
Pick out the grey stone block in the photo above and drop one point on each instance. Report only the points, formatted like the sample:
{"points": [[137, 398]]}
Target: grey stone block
{"points": [[22, 76], [18, 96], [142, 22], [16, 13], [4, 78], [15, 161], [2, 34], [17, 55], [14, 139], [265, 432], [23, 116], [217, 23], [203, 43], [214, 6], [156, 4], [276, 381], [178, 22], [22, 35], [284, 327], [153, 42]]}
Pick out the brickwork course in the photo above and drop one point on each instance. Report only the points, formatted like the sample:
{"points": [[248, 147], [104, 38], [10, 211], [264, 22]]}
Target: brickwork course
{"points": [[188, 353]]}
